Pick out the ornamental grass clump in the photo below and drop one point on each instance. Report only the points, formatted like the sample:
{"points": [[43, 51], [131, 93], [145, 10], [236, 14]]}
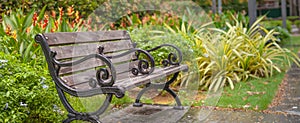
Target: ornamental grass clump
{"points": [[238, 54]]}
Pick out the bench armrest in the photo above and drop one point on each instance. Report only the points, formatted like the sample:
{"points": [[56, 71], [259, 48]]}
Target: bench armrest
{"points": [[173, 58], [102, 74]]}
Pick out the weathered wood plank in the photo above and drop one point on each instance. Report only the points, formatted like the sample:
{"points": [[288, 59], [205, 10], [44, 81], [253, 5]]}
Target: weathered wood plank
{"points": [[92, 63], [144, 79], [70, 51], [128, 81], [64, 38], [86, 75]]}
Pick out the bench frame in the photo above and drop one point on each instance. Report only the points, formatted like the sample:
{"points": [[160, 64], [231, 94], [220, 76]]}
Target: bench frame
{"points": [[103, 74]]}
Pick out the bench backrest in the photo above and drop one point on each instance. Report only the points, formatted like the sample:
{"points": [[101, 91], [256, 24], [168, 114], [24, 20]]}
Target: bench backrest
{"points": [[70, 46]]}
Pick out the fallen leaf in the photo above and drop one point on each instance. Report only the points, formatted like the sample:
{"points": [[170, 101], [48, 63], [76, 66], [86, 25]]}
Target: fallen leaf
{"points": [[247, 106], [265, 83], [256, 107]]}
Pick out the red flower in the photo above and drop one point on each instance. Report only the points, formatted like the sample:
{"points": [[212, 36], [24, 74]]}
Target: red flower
{"points": [[46, 20], [34, 18]]}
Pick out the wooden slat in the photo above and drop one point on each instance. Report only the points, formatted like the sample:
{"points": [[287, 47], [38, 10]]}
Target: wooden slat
{"points": [[143, 79], [63, 38], [86, 75], [92, 63], [70, 51], [82, 77], [80, 81]]}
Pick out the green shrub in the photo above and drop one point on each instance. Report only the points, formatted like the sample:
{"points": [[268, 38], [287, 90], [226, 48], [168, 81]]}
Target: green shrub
{"points": [[84, 6], [27, 93], [293, 18], [270, 24], [297, 23], [282, 34], [220, 20]]}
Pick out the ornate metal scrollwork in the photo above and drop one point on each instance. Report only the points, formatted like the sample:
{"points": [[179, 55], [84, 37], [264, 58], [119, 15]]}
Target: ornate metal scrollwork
{"points": [[173, 59], [165, 62], [144, 67], [102, 76]]}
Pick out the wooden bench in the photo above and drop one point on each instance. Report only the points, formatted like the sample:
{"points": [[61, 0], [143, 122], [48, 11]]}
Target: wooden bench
{"points": [[85, 64]]}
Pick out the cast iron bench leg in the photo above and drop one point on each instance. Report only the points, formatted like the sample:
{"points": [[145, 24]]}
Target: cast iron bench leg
{"points": [[164, 86]]}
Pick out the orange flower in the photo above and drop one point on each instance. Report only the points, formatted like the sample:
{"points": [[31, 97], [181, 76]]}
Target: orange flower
{"points": [[56, 24], [61, 13], [123, 24], [73, 24], [53, 30], [145, 19], [53, 13], [112, 25], [77, 17], [70, 10], [28, 30], [7, 30], [89, 21], [128, 12], [14, 34]]}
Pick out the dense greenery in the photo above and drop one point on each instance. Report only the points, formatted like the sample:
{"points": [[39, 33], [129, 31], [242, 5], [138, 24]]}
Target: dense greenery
{"points": [[84, 6], [27, 93], [18, 30], [283, 35], [237, 5]]}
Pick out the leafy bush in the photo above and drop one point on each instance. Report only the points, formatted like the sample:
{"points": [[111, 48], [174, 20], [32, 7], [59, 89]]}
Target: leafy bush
{"points": [[297, 23], [27, 93], [84, 6], [283, 35], [270, 24], [220, 20], [238, 54], [237, 5]]}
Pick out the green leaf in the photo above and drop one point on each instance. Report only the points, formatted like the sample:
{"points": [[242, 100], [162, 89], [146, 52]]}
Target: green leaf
{"points": [[27, 52], [9, 21], [28, 20], [42, 13]]}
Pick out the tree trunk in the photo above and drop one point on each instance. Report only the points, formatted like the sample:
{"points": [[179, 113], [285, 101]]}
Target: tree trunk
{"points": [[220, 6], [252, 11], [214, 6], [283, 13]]}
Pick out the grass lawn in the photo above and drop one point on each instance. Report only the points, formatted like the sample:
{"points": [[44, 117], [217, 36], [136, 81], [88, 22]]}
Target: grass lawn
{"points": [[256, 94]]}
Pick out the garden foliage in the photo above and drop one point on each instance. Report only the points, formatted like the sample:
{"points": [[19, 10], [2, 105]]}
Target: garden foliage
{"points": [[230, 53], [86, 7], [18, 30], [27, 93]]}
